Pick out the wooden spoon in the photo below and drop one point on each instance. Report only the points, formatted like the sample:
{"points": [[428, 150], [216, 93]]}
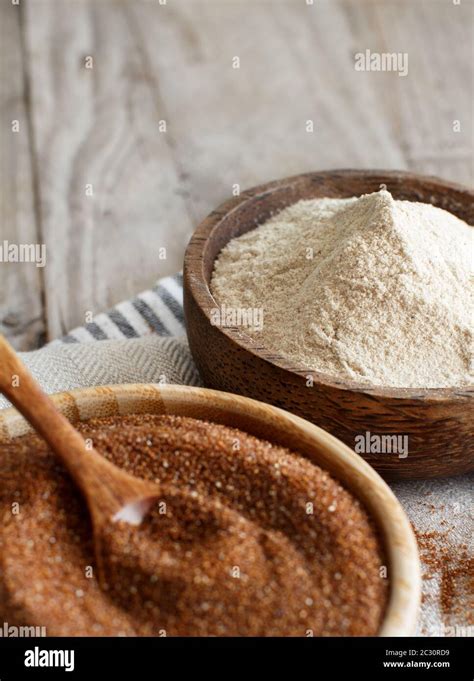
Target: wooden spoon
{"points": [[111, 494]]}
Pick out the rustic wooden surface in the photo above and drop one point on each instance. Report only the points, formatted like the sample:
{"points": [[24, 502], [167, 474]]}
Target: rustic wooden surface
{"points": [[100, 126]]}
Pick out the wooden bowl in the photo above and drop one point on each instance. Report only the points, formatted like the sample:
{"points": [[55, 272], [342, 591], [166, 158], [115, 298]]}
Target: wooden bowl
{"points": [[279, 427], [439, 423]]}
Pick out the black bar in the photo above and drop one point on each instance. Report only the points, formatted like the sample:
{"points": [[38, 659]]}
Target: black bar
{"points": [[317, 658]]}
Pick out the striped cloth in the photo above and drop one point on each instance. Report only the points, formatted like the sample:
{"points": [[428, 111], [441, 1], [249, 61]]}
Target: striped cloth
{"points": [[142, 340], [158, 310]]}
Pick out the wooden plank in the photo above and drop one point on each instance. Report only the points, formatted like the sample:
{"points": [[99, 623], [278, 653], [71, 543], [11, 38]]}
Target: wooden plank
{"points": [[100, 127], [438, 91], [248, 125], [21, 310], [244, 126]]}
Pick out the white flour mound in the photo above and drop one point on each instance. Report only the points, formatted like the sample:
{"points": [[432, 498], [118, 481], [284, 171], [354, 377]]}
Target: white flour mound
{"points": [[368, 289]]}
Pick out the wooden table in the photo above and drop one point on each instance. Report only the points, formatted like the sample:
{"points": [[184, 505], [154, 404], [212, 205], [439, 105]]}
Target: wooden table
{"points": [[124, 122]]}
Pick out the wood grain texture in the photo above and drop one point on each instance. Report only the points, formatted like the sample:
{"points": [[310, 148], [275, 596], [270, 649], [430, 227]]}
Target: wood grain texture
{"points": [[248, 125], [423, 108], [280, 428], [21, 285], [439, 423], [99, 127]]}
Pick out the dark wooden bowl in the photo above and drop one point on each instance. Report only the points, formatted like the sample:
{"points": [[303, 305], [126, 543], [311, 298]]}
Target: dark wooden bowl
{"points": [[439, 423]]}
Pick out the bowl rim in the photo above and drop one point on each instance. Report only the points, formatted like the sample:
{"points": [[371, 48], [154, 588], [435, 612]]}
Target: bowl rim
{"points": [[198, 286], [349, 468]]}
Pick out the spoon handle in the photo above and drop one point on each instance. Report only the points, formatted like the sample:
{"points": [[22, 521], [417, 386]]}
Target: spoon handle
{"points": [[107, 487], [23, 391]]}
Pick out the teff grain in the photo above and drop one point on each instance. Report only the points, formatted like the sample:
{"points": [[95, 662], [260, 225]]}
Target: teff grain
{"points": [[234, 552]]}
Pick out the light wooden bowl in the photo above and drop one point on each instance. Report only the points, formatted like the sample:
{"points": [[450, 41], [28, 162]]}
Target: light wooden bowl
{"points": [[439, 422], [279, 427]]}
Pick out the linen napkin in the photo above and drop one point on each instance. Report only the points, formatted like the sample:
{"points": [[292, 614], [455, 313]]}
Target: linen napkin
{"points": [[143, 341]]}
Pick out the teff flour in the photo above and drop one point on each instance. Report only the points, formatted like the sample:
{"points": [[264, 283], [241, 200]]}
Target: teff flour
{"points": [[369, 289]]}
